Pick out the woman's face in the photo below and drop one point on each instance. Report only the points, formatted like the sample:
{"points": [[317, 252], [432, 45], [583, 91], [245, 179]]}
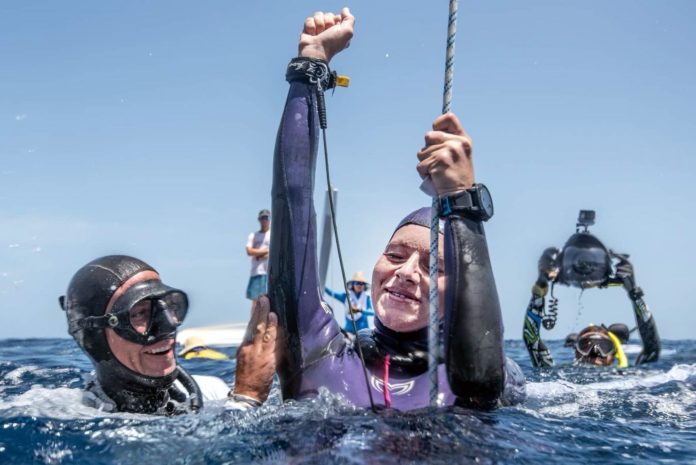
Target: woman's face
{"points": [[358, 287], [400, 280]]}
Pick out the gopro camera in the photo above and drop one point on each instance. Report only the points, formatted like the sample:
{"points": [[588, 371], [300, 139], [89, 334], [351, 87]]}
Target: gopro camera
{"points": [[586, 218]]}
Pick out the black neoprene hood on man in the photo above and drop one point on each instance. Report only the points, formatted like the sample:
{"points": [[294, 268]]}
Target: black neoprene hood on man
{"points": [[88, 295]]}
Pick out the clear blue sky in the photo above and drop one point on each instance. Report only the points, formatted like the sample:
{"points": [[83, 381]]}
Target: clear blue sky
{"points": [[147, 128]]}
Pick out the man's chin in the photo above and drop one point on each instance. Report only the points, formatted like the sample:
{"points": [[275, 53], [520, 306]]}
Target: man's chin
{"points": [[159, 368], [597, 361]]}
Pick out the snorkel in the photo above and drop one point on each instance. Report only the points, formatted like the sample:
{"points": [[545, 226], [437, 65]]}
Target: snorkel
{"points": [[620, 357]]}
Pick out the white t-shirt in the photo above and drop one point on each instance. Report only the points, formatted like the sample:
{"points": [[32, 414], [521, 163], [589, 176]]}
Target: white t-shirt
{"points": [[259, 240]]}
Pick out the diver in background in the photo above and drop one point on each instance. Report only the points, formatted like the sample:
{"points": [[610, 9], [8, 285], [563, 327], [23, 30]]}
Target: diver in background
{"points": [[585, 263], [195, 347], [125, 319], [359, 302]]}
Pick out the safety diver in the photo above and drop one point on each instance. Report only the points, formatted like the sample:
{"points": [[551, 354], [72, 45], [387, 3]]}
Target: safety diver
{"points": [[358, 302], [584, 262], [125, 319], [474, 370]]}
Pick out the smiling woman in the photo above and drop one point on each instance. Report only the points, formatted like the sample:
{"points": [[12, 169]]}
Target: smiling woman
{"points": [[474, 370], [400, 280]]}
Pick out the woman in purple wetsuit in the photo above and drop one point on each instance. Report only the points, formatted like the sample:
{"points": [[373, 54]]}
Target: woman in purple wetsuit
{"points": [[474, 371]]}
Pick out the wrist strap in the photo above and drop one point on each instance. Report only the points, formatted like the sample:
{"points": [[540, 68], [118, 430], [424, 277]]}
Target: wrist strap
{"points": [[314, 71], [244, 399], [635, 293], [311, 70]]}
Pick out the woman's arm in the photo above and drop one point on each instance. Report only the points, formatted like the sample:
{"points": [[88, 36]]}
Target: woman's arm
{"points": [[309, 328], [473, 321], [368, 309], [340, 296]]}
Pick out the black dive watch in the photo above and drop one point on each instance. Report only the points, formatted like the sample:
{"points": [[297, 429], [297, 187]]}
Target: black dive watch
{"points": [[474, 203]]}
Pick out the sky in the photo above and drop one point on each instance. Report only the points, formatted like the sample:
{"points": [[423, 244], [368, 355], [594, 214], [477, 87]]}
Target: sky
{"points": [[147, 128]]}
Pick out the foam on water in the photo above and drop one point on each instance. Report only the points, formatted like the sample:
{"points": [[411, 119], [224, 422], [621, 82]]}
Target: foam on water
{"points": [[547, 390], [573, 415]]}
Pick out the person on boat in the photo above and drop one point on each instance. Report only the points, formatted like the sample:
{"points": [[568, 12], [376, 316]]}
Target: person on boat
{"points": [[125, 319], [257, 249], [585, 263], [473, 370], [358, 303], [195, 347]]}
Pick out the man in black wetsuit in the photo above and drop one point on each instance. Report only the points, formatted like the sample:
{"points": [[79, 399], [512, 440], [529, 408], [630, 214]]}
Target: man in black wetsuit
{"points": [[125, 319], [474, 370], [585, 262]]}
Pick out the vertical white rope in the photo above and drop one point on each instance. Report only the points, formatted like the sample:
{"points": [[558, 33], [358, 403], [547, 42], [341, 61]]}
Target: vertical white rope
{"points": [[434, 319]]}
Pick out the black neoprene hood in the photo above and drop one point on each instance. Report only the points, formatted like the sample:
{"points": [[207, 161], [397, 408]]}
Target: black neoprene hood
{"points": [[88, 295]]}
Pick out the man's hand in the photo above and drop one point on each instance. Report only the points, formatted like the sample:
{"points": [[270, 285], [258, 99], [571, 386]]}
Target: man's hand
{"points": [[624, 270], [446, 157], [260, 253], [256, 357], [548, 265], [326, 34]]}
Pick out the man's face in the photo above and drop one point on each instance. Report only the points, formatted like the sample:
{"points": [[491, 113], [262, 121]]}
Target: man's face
{"points": [[154, 360], [595, 348], [400, 280], [264, 222]]}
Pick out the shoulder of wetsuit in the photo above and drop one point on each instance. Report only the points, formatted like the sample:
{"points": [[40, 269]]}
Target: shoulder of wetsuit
{"points": [[515, 390]]}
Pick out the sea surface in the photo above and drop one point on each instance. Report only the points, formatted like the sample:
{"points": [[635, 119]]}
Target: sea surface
{"points": [[634, 416]]}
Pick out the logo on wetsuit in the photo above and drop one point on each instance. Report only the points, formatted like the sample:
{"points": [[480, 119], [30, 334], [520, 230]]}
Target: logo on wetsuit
{"points": [[397, 389]]}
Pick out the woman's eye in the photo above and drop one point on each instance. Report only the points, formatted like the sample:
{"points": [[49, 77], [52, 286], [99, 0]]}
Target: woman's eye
{"points": [[392, 256]]}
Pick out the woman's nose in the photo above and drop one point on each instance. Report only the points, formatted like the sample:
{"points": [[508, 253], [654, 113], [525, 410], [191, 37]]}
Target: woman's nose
{"points": [[410, 270]]}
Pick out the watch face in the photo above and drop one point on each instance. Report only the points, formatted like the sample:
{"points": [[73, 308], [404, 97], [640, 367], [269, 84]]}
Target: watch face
{"points": [[486, 200]]}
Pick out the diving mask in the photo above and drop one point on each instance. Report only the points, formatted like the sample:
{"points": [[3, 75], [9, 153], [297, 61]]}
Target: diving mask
{"points": [[146, 313], [595, 342]]}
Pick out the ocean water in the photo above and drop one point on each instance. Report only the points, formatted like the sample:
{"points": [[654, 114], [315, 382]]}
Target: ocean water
{"points": [[572, 415]]}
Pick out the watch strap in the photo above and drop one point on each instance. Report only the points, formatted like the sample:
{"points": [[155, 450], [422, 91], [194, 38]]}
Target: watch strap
{"points": [[459, 202]]}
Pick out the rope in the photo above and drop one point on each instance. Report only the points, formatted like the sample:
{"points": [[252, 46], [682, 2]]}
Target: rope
{"points": [[434, 320], [321, 109]]}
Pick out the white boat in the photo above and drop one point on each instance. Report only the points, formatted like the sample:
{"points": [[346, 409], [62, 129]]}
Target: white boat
{"points": [[224, 335]]}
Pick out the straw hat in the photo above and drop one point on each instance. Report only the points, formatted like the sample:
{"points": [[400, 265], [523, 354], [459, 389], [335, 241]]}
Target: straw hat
{"points": [[358, 277], [191, 342]]}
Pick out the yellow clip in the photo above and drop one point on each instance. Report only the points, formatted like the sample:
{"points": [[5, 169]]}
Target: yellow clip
{"points": [[342, 81]]}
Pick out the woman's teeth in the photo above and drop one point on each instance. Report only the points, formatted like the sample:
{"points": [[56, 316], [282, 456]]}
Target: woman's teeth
{"points": [[400, 295]]}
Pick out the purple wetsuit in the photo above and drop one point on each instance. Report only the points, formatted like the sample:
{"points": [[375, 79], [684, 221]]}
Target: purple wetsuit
{"points": [[474, 371]]}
